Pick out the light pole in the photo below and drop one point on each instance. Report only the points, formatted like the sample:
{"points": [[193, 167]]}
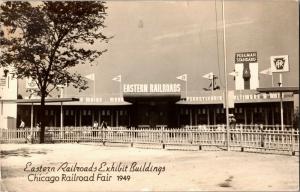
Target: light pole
{"points": [[225, 73]]}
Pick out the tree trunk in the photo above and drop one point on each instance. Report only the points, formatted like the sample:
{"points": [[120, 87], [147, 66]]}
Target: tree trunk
{"points": [[42, 117]]}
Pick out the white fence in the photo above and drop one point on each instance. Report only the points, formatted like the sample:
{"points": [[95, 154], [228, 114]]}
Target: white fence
{"points": [[241, 137]]}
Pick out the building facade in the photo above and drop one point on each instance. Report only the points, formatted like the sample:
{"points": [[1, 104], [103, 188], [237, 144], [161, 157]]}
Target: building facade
{"points": [[168, 109]]}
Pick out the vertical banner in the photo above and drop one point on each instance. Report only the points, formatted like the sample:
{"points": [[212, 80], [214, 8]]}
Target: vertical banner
{"points": [[246, 67]]}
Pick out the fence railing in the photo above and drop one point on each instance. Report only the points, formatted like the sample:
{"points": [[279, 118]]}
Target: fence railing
{"points": [[243, 137]]}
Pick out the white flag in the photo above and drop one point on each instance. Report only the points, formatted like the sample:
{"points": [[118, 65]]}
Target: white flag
{"points": [[117, 78], [266, 71], [233, 73], [182, 77], [209, 75], [31, 84], [62, 85], [90, 76]]}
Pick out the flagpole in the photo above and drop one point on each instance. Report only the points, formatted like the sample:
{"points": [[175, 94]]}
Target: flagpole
{"points": [[186, 89], [212, 84], [121, 89], [225, 73], [94, 89], [281, 103]]}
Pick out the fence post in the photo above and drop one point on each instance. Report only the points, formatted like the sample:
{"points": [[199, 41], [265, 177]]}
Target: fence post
{"points": [[292, 141], [241, 137], [162, 136], [131, 136], [262, 136]]}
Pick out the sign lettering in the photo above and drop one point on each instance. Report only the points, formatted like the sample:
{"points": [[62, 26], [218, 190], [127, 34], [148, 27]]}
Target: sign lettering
{"points": [[246, 57], [151, 88]]}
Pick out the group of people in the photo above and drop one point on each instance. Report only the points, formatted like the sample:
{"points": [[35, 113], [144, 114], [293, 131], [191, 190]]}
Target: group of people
{"points": [[96, 126], [22, 125]]}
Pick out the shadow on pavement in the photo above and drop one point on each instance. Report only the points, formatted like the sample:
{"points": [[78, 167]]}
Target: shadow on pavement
{"points": [[22, 152]]}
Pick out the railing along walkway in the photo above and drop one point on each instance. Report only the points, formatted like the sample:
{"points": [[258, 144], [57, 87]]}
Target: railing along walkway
{"points": [[241, 136]]}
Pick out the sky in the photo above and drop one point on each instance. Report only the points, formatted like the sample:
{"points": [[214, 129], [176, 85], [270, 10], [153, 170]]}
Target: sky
{"points": [[156, 41]]}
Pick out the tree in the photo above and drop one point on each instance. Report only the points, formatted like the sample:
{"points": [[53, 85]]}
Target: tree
{"points": [[44, 40]]}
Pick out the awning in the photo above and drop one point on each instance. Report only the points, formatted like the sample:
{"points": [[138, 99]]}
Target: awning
{"points": [[278, 89], [47, 100], [132, 97]]}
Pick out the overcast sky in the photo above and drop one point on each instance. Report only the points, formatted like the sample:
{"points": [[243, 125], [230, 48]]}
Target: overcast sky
{"points": [[155, 41]]}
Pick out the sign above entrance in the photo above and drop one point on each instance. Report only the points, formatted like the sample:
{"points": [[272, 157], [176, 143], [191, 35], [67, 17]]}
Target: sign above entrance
{"points": [[151, 88]]}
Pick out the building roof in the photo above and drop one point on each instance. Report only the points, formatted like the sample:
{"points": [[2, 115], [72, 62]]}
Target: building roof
{"points": [[193, 98], [47, 100], [132, 97], [278, 89]]}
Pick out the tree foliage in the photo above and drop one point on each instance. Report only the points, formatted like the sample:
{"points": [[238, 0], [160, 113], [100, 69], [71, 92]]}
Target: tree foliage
{"points": [[44, 40]]}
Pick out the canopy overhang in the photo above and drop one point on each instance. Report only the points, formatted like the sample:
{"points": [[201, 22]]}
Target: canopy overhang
{"points": [[133, 97], [47, 100], [294, 90]]}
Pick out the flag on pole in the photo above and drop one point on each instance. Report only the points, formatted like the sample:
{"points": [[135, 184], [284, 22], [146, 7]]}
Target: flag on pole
{"points": [[31, 83], [266, 71], [90, 76], [117, 78], [182, 77], [209, 75], [233, 73], [62, 85]]}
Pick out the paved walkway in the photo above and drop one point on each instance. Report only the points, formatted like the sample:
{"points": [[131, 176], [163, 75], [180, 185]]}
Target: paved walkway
{"points": [[179, 170]]}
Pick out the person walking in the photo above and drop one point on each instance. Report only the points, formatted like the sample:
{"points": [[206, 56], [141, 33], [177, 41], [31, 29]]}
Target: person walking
{"points": [[22, 124], [95, 129], [232, 123]]}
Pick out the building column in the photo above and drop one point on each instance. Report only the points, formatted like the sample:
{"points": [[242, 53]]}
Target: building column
{"points": [[99, 116], [266, 116], [207, 112], [117, 118], [252, 116], [178, 116], [55, 123], [93, 116], [196, 118], [273, 118], [75, 114], [214, 116], [61, 119], [80, 118], [191, 117], [111, 118], [129, 116], [245, 115]]}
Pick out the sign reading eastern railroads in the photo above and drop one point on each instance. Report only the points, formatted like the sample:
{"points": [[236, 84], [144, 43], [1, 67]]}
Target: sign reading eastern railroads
{"points": [[151, 88]]}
